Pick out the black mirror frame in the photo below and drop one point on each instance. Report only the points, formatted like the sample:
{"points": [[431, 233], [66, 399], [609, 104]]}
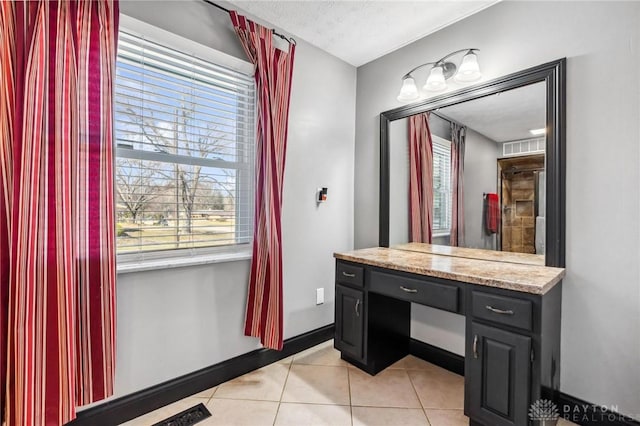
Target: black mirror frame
{"points": [[554, 75]]}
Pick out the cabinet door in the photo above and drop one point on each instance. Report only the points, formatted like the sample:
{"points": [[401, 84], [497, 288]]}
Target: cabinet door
{"points": [[349, 321], [497, 376]]}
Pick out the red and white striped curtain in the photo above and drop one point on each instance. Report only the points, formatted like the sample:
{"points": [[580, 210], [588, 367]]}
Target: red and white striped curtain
{"points": [[274, 69], [57, 253], [420, 179], [458, 134]]}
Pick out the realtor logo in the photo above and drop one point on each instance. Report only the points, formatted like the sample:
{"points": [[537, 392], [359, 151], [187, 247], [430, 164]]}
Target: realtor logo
{"points": [[544, 410]]}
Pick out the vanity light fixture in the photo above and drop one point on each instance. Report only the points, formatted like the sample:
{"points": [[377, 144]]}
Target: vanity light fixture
{"points": [[442, 70], [538, 132]]}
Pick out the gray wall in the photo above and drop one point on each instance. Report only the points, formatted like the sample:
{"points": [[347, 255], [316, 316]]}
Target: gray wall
{"points": [[174, 321], [399, 182], [439, 127], [480, 176], [601, 293]]}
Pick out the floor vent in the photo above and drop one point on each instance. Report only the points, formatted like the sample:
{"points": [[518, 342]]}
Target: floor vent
{"points": [[188, 417]]}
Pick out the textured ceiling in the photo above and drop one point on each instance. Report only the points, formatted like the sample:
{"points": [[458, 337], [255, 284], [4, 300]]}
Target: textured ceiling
{"points": [[362, 30], [506, 116]]}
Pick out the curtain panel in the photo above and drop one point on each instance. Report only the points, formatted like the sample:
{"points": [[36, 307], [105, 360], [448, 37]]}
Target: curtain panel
{"points": [[420, 179], [458, 135], [57, 243], [274, 68]]}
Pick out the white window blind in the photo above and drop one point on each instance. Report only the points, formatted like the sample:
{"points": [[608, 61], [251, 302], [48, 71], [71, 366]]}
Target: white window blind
{"points": [[184, 129], [441, 186]]}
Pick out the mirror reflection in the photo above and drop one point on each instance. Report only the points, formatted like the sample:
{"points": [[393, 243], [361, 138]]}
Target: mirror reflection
{"points": [[472, 174]]}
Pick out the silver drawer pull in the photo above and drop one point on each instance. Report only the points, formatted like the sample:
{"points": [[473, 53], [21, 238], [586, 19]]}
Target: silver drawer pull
{"points": [[499, 311], [348, 275], [475, 346], [357, 306], [408, 290]]}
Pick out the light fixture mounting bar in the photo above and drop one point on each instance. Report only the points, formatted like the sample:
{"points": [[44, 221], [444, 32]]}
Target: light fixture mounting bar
{"points": [[417, 68], [455, 53], [440, 61]]}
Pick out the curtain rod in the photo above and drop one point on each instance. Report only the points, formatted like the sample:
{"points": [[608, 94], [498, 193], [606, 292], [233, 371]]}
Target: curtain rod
{"points": [[290, 40]]}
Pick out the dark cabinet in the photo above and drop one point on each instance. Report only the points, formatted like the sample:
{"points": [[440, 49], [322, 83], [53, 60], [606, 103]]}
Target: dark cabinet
{"points": [[512, 342], [497, 376], [349, 321]]}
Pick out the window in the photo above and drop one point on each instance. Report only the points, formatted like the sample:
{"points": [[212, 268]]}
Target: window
{"points": [[184, 130], [441, 186]]}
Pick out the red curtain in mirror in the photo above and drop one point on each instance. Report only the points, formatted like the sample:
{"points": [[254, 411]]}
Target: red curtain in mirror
{"points": [[458, 134], [274, 69], [57, 243], [420, 179]]}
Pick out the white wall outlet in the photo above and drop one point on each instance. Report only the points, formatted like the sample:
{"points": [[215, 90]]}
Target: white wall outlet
{"points": [[319, 296]]}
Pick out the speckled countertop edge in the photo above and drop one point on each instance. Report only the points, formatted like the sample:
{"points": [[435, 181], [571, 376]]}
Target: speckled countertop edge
{"points": [[470, 253], [524, 278]]}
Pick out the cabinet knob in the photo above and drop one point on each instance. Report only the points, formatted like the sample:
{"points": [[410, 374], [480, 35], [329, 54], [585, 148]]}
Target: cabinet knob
{"points": [[357, 306]]}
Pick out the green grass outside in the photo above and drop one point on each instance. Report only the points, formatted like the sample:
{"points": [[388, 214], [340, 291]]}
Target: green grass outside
{"points": [[134, 237]]}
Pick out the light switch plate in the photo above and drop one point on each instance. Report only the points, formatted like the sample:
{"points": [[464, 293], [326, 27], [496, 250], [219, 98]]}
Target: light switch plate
{"points": [[319, 296]]}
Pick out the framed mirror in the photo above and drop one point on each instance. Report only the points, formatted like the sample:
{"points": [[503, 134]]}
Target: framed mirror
{"points": [[493, 173]]}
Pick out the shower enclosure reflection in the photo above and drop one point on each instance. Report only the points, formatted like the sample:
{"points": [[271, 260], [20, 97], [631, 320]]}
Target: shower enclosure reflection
{"points": [[522, 195]]}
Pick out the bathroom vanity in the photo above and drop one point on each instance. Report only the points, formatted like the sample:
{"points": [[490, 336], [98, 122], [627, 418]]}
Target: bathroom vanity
{"points": [[511, 301], [512, 305]]}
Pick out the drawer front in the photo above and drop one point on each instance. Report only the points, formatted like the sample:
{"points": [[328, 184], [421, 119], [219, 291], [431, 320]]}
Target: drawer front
{"points": [[502, 309], [349, 274], [441, 296]]}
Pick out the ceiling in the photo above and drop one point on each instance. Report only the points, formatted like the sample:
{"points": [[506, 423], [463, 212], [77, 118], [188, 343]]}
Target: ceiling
{"points": [[363, 30], [506, 116]]}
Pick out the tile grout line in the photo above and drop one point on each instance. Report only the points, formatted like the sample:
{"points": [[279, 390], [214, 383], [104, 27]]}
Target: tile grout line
{"points": [[213, 393], [418, 396], [302, 403], [350, 400], [284, 385]]}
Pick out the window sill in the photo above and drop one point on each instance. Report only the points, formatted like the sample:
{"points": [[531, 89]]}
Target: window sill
{"points": [[180, 262], [445, 234]]}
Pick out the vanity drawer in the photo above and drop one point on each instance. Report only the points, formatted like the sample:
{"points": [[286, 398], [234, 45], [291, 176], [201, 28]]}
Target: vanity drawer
{"points": [[441, 296], [349, 274], [502, 309]]}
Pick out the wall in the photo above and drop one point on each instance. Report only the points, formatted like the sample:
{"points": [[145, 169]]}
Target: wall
{"points": [[174, 321], [601, 293], [399, 182], [439, 127], [480, 176]]}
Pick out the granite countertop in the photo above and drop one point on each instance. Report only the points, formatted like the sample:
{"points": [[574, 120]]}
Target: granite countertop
{"points": [[469, 253], [534, 279]]}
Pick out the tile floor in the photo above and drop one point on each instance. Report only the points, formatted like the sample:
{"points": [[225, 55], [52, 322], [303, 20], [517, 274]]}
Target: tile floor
{"points": [[315, 387]]}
